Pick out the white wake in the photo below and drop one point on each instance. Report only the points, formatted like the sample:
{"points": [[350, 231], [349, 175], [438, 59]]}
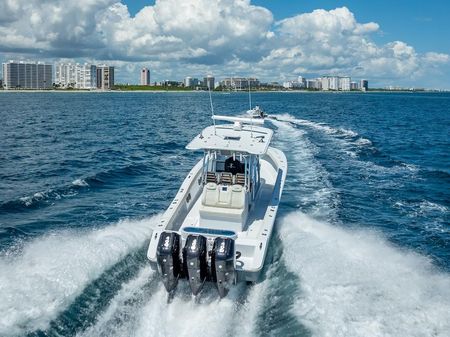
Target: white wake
{"points": [[307, 178], [183, 315], [354, 283], [50, 271], [351, 283]]}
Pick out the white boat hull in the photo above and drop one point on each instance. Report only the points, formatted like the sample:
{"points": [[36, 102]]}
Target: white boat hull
{"points": [[252, 242]]}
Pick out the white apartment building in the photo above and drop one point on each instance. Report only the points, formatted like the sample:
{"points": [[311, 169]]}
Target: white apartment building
{"points": [[287, 85], [302, 81], [86, 76], [336, 83], [240, 83], [74, 75], [189, 82], [330, 83], [344, 83], [293, 84]]}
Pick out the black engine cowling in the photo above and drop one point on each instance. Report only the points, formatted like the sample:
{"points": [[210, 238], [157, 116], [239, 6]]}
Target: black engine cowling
{"points": [[195, 260], [222, 264], [168, 258]]}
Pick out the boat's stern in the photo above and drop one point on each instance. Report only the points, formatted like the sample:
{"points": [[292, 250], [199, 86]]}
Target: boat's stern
{"points": [[196, 254]]}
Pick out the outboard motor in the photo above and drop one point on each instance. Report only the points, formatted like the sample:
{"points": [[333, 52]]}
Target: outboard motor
{"points": [[195, 254], [222, 264], [168, 258]]}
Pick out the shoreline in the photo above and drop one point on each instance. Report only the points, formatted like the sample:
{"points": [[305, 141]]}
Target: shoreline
{"points": [[223, 92]]}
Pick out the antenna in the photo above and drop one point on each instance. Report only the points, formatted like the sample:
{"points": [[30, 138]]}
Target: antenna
{"points": [[250, 102], [249, 94], [212, 107]]}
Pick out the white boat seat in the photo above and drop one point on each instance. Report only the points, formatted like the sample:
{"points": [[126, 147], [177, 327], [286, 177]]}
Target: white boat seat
{"points": [[224, 196], [210, 194], [223, 206]]}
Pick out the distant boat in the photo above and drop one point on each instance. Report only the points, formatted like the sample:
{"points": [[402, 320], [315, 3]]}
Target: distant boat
{"points": [[256, 112], [218, 227]]}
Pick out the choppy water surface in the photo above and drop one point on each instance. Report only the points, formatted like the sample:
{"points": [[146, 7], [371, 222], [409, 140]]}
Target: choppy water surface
{"points": [[361, 246]]}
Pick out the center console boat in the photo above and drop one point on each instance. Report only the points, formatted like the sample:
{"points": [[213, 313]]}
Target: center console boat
{"points": [[218, 227]]}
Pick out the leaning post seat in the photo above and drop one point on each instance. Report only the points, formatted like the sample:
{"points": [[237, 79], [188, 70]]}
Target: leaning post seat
{"points": [[240, 179], [226, 178], [223, 207], [211, 177]]}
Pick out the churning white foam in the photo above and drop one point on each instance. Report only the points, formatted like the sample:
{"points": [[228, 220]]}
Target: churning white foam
{"points": [[185, 317], [354, 283], [427, 206], [119, 319], [307, 177], [136, 311], [350, 141], [38, 196], [320, 126], [52, 270], [80, 183]]}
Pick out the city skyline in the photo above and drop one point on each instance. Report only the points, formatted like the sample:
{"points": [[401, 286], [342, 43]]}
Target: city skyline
{"points": [[274, 42]]}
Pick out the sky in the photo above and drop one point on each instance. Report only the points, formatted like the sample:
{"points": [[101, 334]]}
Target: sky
{"points": [[401, 43]]}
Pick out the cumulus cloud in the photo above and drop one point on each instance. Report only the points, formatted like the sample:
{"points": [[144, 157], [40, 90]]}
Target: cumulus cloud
{"points": [[202, 31], [333, 42], [222, 36], [199, 31], [51, 28]]}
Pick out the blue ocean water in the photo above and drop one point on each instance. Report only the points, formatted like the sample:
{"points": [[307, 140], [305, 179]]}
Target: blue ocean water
{"points": [[361, 246]]}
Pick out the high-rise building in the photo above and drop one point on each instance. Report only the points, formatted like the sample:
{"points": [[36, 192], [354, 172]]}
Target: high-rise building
{"points": [[354, 86], [335, 83], [188, 82], [208, 82], [240, 83], [301, 82], [87, 76], [191, 82], [288, 84], [105, 77], [69, 75], [315, 84], [27, 75], [145, 76], [325, 83], [364, 85], [65, 75], [344, 83], [293, 85]]}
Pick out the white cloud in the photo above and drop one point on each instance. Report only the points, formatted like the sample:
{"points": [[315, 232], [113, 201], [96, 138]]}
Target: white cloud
{"points": [[437, 58], [202, 31], [219, 36], [334, 42]]}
